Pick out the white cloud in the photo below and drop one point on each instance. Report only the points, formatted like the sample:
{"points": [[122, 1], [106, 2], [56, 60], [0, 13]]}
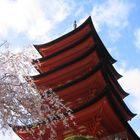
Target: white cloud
{"points": [[113, 15], [137, 38], [131, 83], [35, 18]]}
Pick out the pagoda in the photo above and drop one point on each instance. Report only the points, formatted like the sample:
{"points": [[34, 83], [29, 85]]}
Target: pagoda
{"points": [[78, 67]]}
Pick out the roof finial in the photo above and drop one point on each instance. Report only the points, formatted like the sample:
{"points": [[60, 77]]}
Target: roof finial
{"points": [[75, 25]]}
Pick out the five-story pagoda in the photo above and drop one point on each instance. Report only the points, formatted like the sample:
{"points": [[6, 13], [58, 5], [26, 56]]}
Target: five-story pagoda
{"points": [[78, 67]]}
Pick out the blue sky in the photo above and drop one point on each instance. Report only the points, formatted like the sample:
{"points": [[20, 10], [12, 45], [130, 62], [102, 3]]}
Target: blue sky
{"points": [[27, 22]]}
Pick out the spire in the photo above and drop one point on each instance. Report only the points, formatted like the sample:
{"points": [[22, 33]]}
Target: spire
{"points": [[75, 25]]}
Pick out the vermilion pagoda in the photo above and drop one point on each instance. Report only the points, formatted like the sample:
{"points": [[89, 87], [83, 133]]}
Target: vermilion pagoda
{"points": [[78, 67]]}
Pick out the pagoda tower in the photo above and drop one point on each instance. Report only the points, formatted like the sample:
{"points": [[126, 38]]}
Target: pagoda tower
{"points": [[78, 67]]}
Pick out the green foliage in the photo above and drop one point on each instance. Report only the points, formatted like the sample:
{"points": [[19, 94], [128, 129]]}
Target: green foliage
{"points": [[80, 138]]}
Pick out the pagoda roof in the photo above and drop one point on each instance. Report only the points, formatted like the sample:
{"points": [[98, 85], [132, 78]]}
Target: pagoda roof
{"points": [[38, 78], [99, 67], [94, 70], [68, 73], [82, 56], [44, 67], [67, 48], [103, 99], [66, 36], [87, 23], [69, 55]]}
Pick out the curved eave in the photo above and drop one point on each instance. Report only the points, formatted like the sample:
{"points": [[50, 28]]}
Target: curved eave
{"points": [[122, 103], [121, 118], [108, 74], [62, 37], [64, 49], [115, 73], [88, 52], [112, 71], [100, 44]]}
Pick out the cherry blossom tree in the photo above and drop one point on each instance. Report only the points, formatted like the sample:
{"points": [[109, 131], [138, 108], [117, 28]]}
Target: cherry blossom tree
{"points": [[21, 103]]}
